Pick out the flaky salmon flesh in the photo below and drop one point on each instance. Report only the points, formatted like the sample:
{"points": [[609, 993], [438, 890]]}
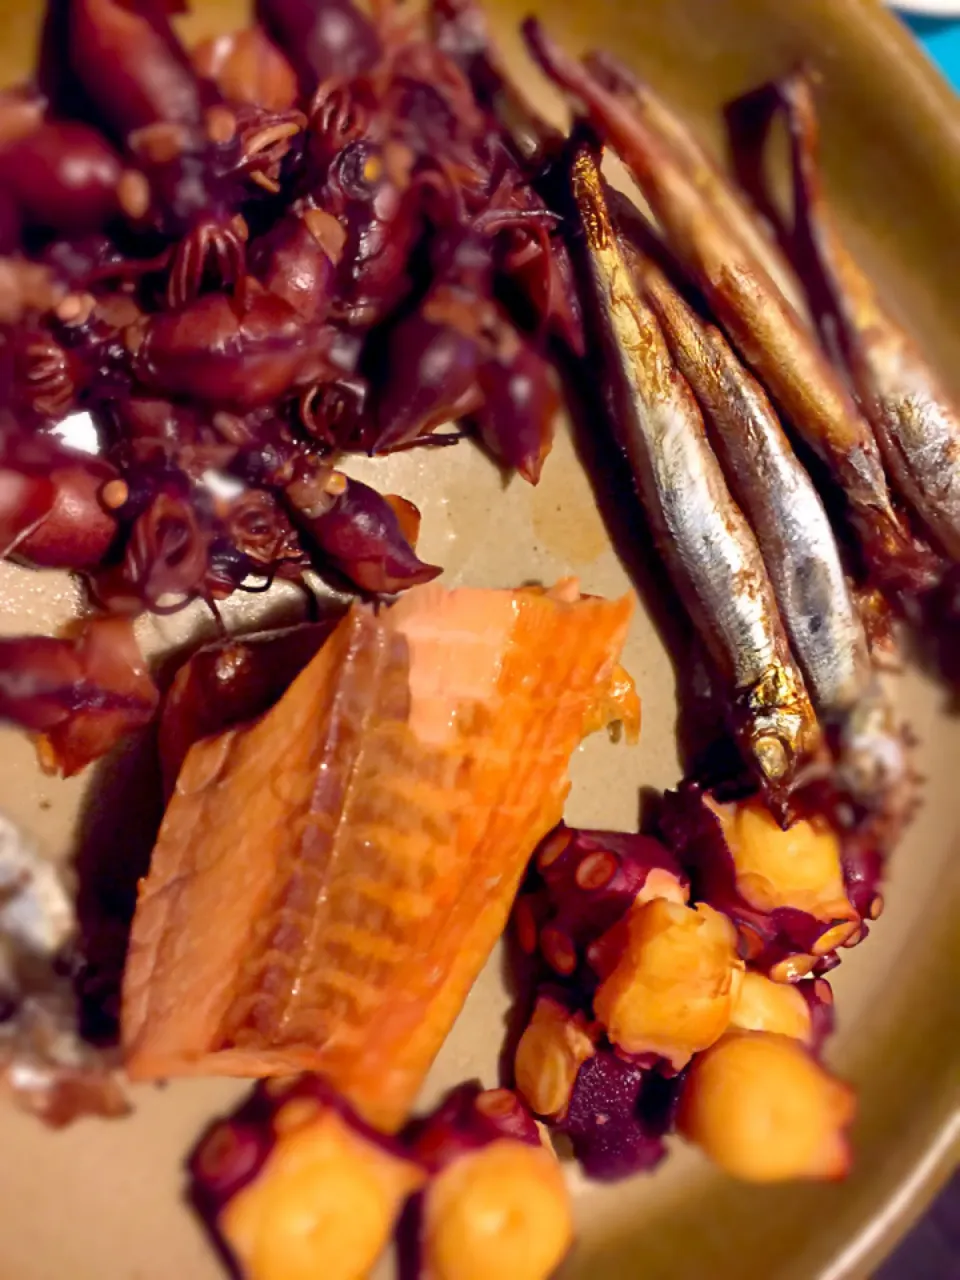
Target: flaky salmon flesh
{"points": [[329, 880]]}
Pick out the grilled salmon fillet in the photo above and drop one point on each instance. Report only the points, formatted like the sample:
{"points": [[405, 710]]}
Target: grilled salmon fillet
{"points": [[330, 879]]}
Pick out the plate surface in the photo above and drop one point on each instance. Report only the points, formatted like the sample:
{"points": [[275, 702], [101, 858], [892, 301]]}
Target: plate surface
{"points": [[101, 1201]]}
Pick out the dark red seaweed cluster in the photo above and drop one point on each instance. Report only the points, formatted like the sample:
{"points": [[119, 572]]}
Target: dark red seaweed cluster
{"points": [[316, 236], [80, 694]]}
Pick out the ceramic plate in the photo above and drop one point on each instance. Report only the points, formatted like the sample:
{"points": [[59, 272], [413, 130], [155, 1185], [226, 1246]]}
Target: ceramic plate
{"points": [[102, 1201]]}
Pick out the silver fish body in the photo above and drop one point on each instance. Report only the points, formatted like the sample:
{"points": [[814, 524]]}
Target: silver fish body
{"points": [[717, 565], [870, 758], [780, 500]]}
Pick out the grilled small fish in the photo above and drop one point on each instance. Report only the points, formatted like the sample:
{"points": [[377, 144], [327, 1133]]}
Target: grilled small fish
{"points": [[760, 321], [701, 169], [715, 559], [780, 500], [916, 425]]}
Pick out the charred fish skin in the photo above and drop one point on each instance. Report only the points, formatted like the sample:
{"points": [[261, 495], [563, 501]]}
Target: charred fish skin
{"points": [[701, 169], [717, 564], [764, 327], [774, 490], [916, 424]]}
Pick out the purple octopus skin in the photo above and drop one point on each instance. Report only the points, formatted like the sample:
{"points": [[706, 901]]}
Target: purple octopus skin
{"points": [[458, 341], [467, 1120], [233, 1150], [458, 1125], [617, 1117], [785, 940], [431, 365], [863, 870], [291, 262], [42, 683], [581, 884], [819, 997], [382, 214], [84, 693]]}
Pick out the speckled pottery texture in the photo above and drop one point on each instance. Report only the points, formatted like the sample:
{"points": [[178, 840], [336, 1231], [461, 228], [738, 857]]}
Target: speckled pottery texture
{"points": [[103, 1201]]}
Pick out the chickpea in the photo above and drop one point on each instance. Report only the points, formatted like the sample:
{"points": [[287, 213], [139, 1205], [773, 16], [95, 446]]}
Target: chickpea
{"points": [[676, 981], [799, 867], [661, 883], [765, 1005], [324, 1204], [765, 1110], [501, 1211], [549, 1056]]}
